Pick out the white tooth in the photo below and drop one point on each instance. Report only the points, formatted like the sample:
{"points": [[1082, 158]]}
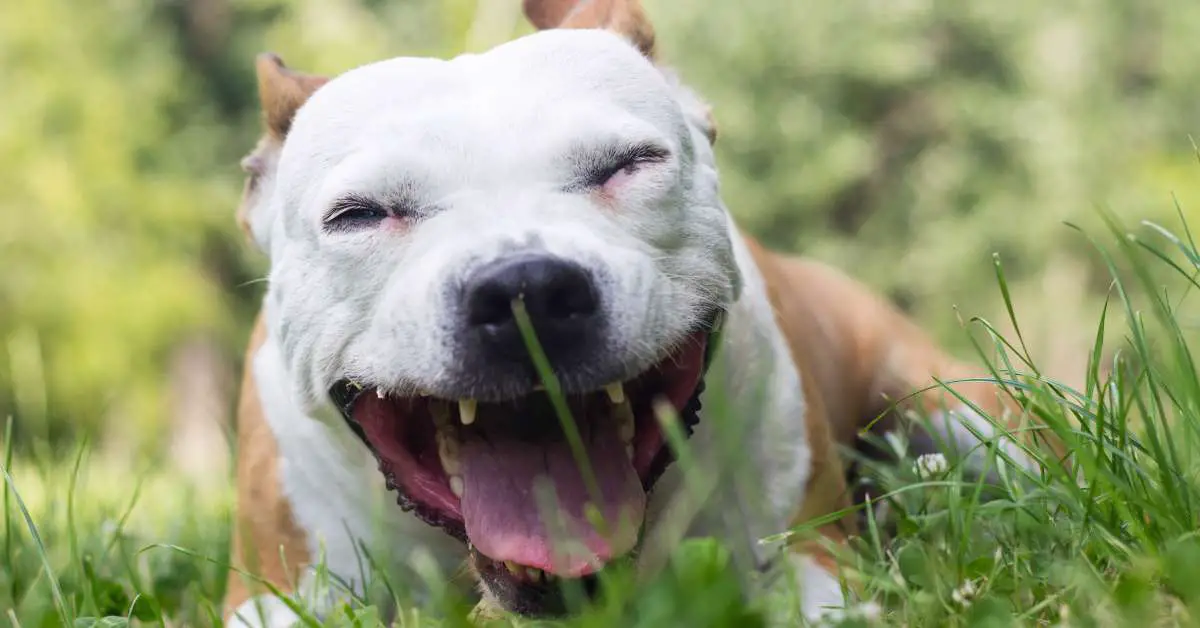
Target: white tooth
{"points": [[511, 566], [448, 453], [616, 392], [379, 393], [625, 422], [466, 411], [456, 486], [629, 451]]}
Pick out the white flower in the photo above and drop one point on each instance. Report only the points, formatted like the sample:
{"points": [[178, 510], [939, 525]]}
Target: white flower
{"points": [[965, 594], [930, 466]]}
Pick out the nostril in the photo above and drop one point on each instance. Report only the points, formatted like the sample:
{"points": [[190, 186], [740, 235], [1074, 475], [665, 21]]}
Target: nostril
{"points": [[570, 297], [489, 304]]}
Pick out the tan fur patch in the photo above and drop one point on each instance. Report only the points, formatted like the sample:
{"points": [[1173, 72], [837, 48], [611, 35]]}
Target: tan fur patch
{"points": [[266, 540]]}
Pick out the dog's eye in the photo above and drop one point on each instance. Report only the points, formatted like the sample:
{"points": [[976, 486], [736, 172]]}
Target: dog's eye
{"points": [[624, 162], [354, 212]]}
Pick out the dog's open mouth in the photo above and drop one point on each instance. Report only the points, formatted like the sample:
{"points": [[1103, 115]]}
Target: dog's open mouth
{"points": [[506, 477]]}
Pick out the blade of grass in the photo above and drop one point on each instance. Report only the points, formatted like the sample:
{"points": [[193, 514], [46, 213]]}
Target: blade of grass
{"points": [[65, 613], [89, 596], [8, 538], [554, 390]]}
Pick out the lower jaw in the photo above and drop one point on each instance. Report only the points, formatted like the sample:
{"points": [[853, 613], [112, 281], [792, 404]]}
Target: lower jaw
{"points": [[536, 594]]}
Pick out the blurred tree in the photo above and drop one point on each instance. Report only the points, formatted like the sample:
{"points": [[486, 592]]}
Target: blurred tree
{"points": [[908, 140], [105, 216]]}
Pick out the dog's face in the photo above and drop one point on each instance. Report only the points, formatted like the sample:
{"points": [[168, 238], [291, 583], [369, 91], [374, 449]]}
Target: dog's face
{"points": [[417, 212]]}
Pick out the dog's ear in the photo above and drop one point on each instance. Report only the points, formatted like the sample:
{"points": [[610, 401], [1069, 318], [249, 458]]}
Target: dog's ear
{"points": [[624, 17], [281, 92]]}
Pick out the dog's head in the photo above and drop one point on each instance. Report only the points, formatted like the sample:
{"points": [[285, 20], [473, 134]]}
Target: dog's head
{"points": [[417, 212]]}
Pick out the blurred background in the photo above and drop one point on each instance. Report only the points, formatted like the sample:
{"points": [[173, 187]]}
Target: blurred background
{"points": [[906, 141]]}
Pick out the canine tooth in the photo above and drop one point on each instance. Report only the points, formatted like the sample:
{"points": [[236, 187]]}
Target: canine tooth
{"points": [[379, 393], [448, 453], [629, 451], [456, 486], [512, 567], [625, 422], [616, 393], [466, 411]]}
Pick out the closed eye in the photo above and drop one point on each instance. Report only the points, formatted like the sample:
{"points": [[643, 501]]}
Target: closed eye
{"points": [[354, 212], [597, 168]]}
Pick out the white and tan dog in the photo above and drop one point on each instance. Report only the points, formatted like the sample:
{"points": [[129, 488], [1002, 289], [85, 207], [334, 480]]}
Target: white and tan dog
{"points": [[408, 204]]}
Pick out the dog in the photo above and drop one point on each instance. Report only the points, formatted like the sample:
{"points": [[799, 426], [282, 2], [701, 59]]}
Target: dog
{"points": [[428, 222]]}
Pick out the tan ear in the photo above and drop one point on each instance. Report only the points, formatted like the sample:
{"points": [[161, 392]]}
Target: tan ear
{"points": [[281, 92], [624, 17]]}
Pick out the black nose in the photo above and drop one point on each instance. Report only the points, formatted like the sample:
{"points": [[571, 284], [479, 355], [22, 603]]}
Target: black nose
{"points": [[560, 297]]}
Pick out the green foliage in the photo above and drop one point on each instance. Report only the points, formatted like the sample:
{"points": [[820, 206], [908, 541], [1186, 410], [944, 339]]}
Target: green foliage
{"points": [[110, 212], [906, 141]]}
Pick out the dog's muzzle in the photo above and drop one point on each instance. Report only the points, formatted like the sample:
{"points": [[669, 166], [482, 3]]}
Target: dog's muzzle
{"points": [[504, 474]]}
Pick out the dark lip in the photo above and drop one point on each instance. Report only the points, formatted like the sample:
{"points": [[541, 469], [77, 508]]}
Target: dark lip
{"points": [[345, 392], [538, 600]]}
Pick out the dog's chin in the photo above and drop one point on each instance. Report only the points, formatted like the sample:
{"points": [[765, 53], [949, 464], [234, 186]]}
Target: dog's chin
{"points": [[505, 477]]}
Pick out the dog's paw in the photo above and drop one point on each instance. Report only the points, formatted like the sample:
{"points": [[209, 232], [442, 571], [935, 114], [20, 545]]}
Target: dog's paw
{"points": [[829, 617], [821, 597], [823, 601], [263, 611]]}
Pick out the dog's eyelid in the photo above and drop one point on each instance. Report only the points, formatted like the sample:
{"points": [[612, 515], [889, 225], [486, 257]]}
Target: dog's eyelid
{"points": [[354, 211], [595, 168], [643, 152]]}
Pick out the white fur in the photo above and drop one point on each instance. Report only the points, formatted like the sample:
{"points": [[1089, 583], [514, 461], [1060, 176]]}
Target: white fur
{"points": [[476, 145], [263, 611], [820, 592]]}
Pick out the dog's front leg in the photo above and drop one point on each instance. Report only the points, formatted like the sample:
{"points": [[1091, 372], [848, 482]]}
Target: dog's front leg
{"points": [[813, 558]]}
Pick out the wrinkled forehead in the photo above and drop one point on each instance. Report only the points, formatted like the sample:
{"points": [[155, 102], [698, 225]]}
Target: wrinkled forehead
{"points": [[534, 86]]}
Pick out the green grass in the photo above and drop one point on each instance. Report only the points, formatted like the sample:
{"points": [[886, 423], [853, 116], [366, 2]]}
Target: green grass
{"points": [[92, 542]]}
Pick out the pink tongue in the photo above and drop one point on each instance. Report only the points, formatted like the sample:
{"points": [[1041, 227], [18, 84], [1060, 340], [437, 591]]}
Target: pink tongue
{"points": [[506, 511]]}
